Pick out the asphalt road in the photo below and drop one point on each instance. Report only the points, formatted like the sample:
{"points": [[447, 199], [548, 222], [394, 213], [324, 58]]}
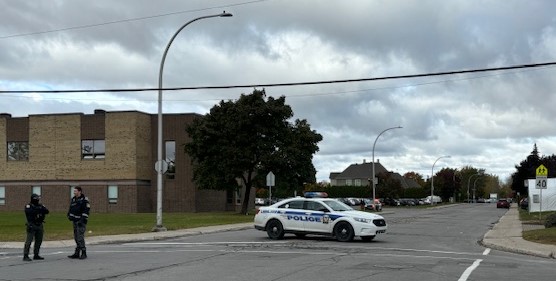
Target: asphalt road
{"points": [[422, 244]]}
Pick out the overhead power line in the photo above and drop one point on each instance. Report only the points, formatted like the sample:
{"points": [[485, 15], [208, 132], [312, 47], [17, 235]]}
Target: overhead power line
{"points": [[289, 84], [126, 20]]}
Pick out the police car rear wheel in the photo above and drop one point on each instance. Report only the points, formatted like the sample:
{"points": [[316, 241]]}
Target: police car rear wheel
{"points": [[343, 232], [275, 230]]}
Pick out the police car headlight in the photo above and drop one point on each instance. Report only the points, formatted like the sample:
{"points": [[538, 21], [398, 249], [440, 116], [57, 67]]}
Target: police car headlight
{"points": [[363, 220]]}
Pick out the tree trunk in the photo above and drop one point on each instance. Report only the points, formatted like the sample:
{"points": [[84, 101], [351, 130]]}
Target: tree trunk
{"points": [[246, 198]]}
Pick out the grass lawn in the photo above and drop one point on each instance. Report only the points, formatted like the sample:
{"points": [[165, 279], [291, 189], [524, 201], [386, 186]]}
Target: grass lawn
{"points": [[544, 235], [58, 227]]}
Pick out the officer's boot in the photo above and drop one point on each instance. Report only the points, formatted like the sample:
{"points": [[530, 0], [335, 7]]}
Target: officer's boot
{"points": [[83, 254], [75, 255], [26, 258]]}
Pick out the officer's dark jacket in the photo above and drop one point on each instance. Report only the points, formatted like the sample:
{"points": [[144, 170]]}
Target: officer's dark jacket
{"points": [[79, 209], [35, 213]]}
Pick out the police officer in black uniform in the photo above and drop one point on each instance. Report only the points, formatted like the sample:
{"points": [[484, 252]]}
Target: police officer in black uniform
{"points": [[79, 214], [35, 213]]}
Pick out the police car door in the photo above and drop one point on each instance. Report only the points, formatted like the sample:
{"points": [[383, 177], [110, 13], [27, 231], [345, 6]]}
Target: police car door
{"points": [[293, 215], [317, 217]]}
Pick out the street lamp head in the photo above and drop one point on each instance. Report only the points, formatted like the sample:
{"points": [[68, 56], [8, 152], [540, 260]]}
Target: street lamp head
{"points": [[224, 14]]}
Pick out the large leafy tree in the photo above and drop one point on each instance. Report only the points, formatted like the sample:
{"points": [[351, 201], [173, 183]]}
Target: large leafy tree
{"points": [[240, 142], [389, 186], [418, 178], [526, 170], [447, 183]]}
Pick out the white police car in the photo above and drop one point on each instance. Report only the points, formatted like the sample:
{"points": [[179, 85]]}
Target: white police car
{"points": [[323, 216]]}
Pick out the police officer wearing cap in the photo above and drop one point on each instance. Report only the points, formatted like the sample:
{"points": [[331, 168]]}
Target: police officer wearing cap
{"points": [[79, 214], [35, 213]]}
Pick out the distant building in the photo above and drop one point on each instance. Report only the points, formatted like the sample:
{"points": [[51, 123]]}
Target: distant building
{"points": [[111, 155], [361, 174]]}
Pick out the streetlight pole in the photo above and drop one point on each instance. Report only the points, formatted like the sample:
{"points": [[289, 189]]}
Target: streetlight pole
{"points": [[432, 176], [468, 182], [474, 188], [373, 160], [159, 163]]}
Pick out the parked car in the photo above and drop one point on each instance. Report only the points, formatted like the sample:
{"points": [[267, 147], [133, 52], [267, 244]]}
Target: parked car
{"points": [[524, 203], [391, 202], [407, 202], [368, 204], [503, 203], [260, 201], [323, 216]]}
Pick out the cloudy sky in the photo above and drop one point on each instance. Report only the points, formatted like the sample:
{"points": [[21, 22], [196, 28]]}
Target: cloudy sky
{"points": [[487, 120]]}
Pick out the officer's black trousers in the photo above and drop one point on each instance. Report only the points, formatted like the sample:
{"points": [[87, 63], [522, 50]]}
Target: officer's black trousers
{"points": [[79, 234], [36, 232]]}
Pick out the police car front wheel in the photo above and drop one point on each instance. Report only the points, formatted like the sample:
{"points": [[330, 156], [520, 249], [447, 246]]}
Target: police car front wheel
{"points": [[344, 232], [275, 230]]}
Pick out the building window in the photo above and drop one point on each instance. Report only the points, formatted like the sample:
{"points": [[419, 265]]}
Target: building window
{"points": [[170, 158], [18, 150], [357, 182], [2, 195], [92, 149], [238, 197], [37, 190], [112, 194], [349, 182], [229, 196], [71, 191]]}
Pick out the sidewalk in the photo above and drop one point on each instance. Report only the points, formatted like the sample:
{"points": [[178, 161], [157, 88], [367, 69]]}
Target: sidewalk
{"points": [[506, 236], [122, 238]]}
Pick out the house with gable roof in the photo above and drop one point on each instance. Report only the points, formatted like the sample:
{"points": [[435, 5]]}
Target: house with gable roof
{"points": [[361, 174]]}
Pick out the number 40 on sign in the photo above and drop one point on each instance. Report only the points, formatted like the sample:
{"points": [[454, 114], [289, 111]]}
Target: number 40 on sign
{"points": [[541, 183]]}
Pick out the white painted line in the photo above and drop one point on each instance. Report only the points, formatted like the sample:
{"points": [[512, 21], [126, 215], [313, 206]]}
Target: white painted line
{"points": [[486, 252], [201, 243], [469, 270], [285, 243]]}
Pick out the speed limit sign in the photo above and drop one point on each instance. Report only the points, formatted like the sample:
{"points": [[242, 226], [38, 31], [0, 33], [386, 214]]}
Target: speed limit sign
{"points": [[540, 183]]}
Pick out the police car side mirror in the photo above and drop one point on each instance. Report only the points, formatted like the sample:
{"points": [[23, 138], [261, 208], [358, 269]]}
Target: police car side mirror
{"points": [[323, 210]]}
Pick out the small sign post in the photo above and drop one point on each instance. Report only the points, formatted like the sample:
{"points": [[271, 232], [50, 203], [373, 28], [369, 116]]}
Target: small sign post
{"points": [[270, 182], [541, 183]]}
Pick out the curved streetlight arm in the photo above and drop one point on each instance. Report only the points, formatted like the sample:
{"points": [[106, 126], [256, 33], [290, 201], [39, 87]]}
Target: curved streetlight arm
{"points": [[373, 160], [223, 14], [468, 182], [159, 165], [432, 175], [474, 188]]}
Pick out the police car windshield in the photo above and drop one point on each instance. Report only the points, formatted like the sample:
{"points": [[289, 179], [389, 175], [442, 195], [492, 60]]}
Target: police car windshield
{"points": [[337, 205]]}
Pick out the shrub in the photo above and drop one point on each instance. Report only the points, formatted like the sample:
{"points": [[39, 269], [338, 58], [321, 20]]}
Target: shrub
{"points": [[550, 221]]}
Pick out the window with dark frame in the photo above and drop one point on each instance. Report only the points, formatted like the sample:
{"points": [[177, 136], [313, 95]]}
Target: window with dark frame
{"points": [[36, 190], [170, 150], [18, 150], [112, 194], [2, 195], [93, 149]]}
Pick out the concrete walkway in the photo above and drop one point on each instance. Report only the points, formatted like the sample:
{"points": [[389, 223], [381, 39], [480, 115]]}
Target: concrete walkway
{"points": [[122, 238], [506, 235]]}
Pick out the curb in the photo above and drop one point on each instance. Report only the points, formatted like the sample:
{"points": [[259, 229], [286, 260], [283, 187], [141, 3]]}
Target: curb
{"points": [[138, 237]]}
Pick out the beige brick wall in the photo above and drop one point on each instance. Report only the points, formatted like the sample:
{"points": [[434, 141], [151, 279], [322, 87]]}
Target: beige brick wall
{"points": [[55, 150], [128, 146]]}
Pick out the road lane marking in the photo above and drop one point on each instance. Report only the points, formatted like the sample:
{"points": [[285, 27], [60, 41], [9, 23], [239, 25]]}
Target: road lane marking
{"points": [[486, 252], [286, 243], [469, 270]]}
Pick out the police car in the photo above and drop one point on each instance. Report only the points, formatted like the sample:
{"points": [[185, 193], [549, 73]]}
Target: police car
{"points": [[323, 216]]}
